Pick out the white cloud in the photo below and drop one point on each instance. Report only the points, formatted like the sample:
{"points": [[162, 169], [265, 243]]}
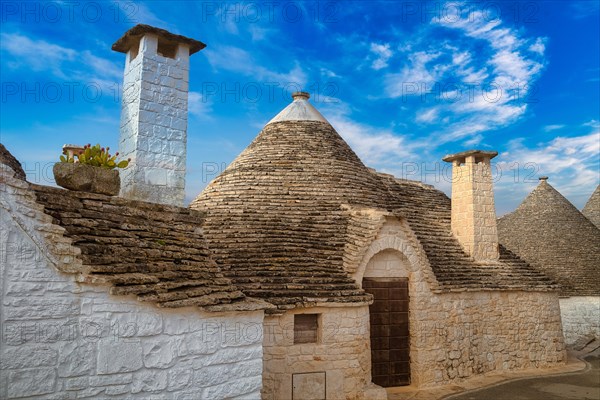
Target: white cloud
{"points": [[101, 66], [584, 8], [383, 53], [380, 148], [139, 13], [234, 59], [428, 115], [571, 163], [62, 62], [328, 73], [257, 33], [38, 55], [478, 80], [199, 106], [592, 123], [550, 128], [415, 72], [539, 46]]}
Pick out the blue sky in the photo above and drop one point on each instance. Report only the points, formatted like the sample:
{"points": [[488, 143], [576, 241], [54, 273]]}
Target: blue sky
{"points": [[403, 82]]}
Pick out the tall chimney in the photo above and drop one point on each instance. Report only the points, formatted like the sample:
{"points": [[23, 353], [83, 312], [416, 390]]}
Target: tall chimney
{"points": [[473, 211], [154, 113]]}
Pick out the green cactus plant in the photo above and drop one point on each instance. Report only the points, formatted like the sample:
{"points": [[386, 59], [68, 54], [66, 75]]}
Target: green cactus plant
{"points": [[96, 156]]}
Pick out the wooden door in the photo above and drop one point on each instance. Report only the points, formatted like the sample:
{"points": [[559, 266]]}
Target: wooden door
{"points": [[390, 351]]}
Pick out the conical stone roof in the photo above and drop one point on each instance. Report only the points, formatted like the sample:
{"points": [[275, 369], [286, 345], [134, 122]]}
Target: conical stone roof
{"points": [[276, 210], [550, 233], [592, 208]]}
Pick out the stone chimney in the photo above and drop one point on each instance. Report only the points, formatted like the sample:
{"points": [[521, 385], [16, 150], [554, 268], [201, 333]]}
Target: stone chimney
{"points": [[154, 113], [473, 211]]}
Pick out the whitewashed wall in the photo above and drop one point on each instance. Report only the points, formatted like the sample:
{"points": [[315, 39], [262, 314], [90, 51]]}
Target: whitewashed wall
{"points": [[580, 317], [65, 340]]}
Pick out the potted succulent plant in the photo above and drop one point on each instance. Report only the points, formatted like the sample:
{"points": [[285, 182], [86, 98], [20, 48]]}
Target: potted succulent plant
{"points": [[89, 169]]}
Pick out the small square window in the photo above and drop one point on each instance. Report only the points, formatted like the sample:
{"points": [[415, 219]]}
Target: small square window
{"points": [[166, 49], [306, 327]]}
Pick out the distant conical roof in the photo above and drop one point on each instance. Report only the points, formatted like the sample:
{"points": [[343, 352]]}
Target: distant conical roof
{"points": [[8, 159], [552, 235], [592, 208]]}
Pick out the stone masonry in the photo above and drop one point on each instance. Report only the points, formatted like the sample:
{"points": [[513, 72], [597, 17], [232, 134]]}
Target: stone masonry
{"points": [[154, 114], [473, 211]]}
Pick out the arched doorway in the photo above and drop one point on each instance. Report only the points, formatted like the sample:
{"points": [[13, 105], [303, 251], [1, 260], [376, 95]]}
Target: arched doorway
{"points": [[386, 278]]}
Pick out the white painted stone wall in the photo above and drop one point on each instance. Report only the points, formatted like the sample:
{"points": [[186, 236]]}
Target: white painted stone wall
{"points": [[65, 340], [455, 336], [154, 124], [580, 317]]}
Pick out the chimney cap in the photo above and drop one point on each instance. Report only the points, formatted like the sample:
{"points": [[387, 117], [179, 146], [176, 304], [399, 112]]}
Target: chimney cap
{"points": [[463, 154], [300, 95], [134, 35], [543, 178]]}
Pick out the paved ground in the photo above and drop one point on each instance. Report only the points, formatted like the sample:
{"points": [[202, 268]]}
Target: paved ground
{"points": [[583, 385]]}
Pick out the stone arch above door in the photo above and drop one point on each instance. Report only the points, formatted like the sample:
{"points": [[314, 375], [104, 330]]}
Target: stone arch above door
{"points": [[396, 240], [388, 263]]}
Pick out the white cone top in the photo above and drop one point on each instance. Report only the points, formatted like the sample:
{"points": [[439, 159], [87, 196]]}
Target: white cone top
{"points": [[299, 110]]}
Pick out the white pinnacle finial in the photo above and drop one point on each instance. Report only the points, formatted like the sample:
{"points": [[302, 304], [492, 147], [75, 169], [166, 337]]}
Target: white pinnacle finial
{"points": [[299, 110], [300, 96]]}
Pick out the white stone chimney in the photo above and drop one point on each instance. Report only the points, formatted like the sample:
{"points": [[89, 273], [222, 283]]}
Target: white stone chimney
{"points": [[154, 113], [473, 211]]}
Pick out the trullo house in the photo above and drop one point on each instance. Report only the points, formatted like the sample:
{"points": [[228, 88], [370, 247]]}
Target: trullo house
{"points": [[297, 273]]}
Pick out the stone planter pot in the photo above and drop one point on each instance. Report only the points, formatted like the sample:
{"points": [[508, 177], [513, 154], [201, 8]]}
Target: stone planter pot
{"points": [[87, 178]]}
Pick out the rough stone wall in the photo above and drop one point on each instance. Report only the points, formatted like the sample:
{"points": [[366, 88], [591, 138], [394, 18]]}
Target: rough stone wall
{"points": [[454, 336], [154, 124], [342, 352], [473, 212], [62, 339], [459, 335], [580, 317]]}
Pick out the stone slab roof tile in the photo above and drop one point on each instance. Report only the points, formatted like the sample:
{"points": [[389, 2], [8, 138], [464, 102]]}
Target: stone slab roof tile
{"points": [[155, 252]]}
